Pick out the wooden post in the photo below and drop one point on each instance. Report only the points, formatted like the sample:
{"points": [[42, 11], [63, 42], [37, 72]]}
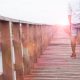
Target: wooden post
{"points": [[35, 42], [6, 50], [17, 50], [31, 44], [40, 39], [43, 37], [26, 55]]}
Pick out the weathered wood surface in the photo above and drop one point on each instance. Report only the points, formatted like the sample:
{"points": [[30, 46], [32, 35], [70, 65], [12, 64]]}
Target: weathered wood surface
{"points": [[55, 63]]}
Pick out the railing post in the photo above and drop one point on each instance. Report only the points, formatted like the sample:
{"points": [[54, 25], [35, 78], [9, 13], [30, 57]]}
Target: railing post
{"points": [[26, 55], [6, 50], [30, 45], [35, 43], [42, 29], [39, 42], [40, 39], [17, 50]]}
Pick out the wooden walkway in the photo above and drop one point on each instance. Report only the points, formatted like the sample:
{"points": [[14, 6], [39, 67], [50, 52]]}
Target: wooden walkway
{"points": [[55, 63]]}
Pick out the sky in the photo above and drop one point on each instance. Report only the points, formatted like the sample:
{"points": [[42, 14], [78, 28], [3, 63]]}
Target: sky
{"points": [[37, 11]]}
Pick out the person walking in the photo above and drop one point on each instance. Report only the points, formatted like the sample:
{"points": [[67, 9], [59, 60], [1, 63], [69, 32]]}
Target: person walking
{"points": [[74, 21]]}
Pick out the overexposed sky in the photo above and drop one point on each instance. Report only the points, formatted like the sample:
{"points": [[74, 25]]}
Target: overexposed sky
{"points": [[38, 11]]}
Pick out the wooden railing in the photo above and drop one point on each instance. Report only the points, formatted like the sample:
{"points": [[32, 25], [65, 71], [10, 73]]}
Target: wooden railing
{"points": [[21, 43]]}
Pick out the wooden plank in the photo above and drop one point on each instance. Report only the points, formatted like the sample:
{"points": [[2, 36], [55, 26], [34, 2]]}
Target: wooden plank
{"points": [[6, 50], [17, 50]]}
